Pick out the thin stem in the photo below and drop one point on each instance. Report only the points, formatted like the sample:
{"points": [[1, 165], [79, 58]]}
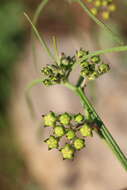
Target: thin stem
{"points": [[38, 11], [103, 131], [40, 38], [56, 49], [100, 23], [34, 21]]}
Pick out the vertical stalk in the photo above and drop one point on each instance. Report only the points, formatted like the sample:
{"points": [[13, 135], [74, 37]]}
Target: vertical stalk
{"points": [[106, 135]]}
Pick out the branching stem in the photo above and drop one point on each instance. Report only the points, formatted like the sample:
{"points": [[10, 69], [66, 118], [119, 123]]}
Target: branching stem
{"points": [[103, 131]]}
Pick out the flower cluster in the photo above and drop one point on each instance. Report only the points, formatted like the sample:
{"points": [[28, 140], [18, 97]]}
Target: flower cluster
{"points": [[58, 72], [103, 7], [73, 128], [93, 67]]}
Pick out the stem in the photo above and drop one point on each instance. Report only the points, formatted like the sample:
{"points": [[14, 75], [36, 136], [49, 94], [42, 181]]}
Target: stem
{"points": [[34, 21], [103, 131], [100, 23], [38, 11], [40, 38]]}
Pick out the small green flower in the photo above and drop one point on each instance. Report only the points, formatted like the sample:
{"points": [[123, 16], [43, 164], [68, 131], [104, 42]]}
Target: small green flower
{"points": [[68, 152], [95, 59], [79, 118], [70, 134], [52, 142], [65, 119], [103, 68], [79, 143], [86, 130], [59, 131], [50, 119]]}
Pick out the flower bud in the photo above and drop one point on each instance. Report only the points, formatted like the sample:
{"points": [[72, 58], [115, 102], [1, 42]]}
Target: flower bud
{"points": [[65, 119], [93, 76], [70, 134], [79, 143], [103, 68], [68, 152], [59, 131], [52, 142], [86, 130], [95, 59], [79, 118], [50, 119]]}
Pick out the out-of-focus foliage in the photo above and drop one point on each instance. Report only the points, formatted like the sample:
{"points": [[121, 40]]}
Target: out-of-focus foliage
{"points": [[11, 41]]}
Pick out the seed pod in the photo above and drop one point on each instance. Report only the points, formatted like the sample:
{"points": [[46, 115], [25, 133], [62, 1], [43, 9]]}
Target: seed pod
{"points": [[78, 118], [50, 119], [79, 143], [70, 134], [65, 119], [52, 142], [59, 131], [68, 152], [86, 130]]}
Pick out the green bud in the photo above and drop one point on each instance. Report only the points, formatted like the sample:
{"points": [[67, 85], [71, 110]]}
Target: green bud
{"points": [[59, 131], [65, 119], [50, 119], [52, 142], [79, 118], [84, 63], [95, 59], [85, 72], [68, 152], [103, 68], [80, 53], [79, 143], [47, 82], [86, 130], [93, 76], [47, 71], [70, 134]]}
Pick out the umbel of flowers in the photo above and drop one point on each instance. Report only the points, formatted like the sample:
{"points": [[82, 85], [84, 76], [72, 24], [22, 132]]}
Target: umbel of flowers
{"points": [[91, 68], [72, 128], [102, 7]]}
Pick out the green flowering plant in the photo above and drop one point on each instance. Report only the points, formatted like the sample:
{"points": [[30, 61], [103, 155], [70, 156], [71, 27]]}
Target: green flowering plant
{"points": [[75, 128]]}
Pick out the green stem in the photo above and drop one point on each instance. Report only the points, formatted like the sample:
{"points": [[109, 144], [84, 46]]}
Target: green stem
{"points": [[38, 11], [34, 21], [40, 38], [103, 131], [100, 23]]}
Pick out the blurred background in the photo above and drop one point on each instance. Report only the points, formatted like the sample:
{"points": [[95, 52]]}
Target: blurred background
{"points": [[25, 162]]}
